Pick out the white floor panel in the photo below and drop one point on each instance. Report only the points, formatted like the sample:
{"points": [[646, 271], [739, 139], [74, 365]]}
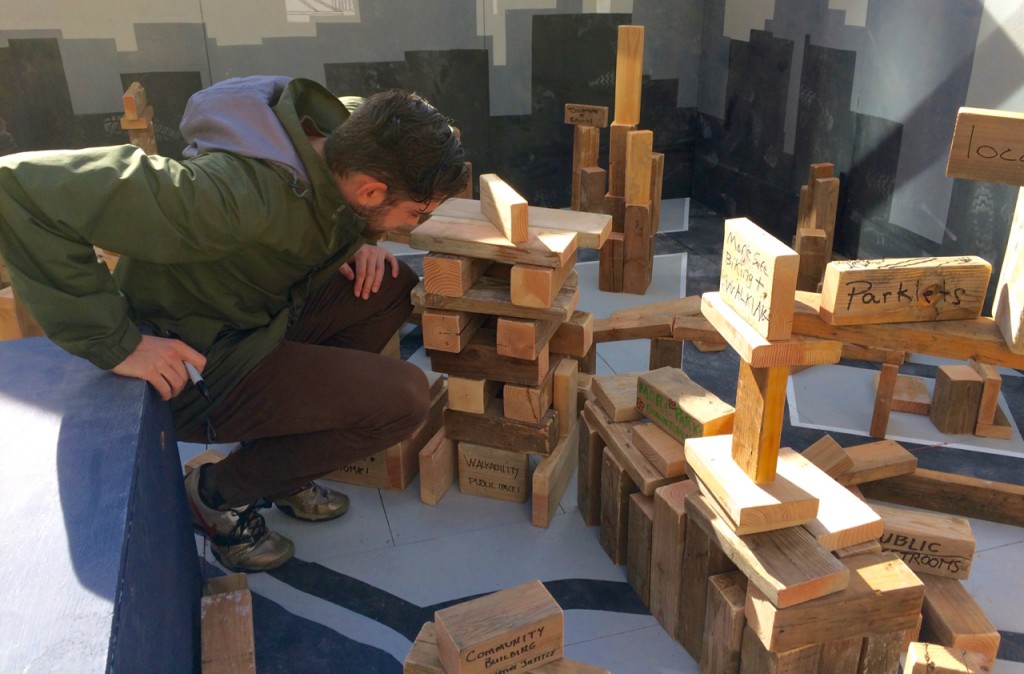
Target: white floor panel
{"points": [[841, 398], [644, 651]]}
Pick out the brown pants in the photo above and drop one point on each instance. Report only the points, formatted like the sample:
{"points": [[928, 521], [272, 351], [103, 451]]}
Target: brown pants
{"points": [[324, 397]]}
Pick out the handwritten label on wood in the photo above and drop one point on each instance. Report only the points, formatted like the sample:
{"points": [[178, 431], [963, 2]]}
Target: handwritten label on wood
{"points": [[495, 473], [904, 290], [759, 278], [586, 115], [987, 145], [932, 543], [681, 407]]}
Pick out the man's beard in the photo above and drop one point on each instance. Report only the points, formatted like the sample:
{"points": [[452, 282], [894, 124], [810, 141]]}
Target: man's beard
{"points": [[373, 215]]}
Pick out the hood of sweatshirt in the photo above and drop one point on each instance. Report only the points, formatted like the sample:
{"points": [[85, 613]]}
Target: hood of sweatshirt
{"points": [[237, 116]]}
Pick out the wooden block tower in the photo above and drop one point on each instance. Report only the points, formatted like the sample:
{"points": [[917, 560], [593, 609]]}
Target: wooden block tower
{"points": [[634, 175], [497, 304], [815, 226]]}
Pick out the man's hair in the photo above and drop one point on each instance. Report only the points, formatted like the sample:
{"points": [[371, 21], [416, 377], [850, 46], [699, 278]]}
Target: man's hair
{"points": [[402, 140]]}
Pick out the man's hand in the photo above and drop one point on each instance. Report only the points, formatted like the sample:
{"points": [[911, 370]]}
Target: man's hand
{"points": [[366, 269], [159, 361]]}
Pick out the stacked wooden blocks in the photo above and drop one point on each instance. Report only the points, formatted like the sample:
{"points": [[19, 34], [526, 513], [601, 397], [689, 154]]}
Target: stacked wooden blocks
{"points": [[519, 629], [138, 118], [498, 302], [815, 226], [634, 175]]}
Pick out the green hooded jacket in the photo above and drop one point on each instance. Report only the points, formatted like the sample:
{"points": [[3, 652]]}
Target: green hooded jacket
{"points": [[220, 249]]}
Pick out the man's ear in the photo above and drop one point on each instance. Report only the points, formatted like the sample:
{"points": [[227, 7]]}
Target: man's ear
{"points": [[370, 192]]}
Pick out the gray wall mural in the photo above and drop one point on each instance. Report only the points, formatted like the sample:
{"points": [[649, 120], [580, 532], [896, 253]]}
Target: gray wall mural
{"points": [[742, 95]]}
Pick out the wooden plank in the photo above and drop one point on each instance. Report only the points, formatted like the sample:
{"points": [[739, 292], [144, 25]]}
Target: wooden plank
{"points": [[956, 398], [134, 100], [910, 394], [629, 62], [639, 146], [588, 482], [983, 146], [665, 353], [637, 248], [929, 543], [497, 431], [619, 328], [827, 455], [840, 656], [493, 297], [877, 461], [885, 389], [480, 359], [617, 134], [586, 143], [904, 290], [494, 473], [534, 286], [586, 115], [881, 652], [505, 208], [438, 467], [663, 451], [657, 185], [528, 403], [811, 245], [449, 331], [228, 641], [523, 338], [787, 565], [456, 236], [757, 351], [992, 383], [933, 659], [574, 336], [591, 228], [616, 486], [617, 395], [452, 275], [999, 428], [618, 437], [424, 657], [954, 619], [471, 395], [565, 396], [761, 403], [696, 329], [749, 507], [551, 477], [825, 203], [723, 628], [1008, 308], [679, 406], [669, 539], [759, 278], [756, 659], [640, 529], [593, 187], [956, 494], [883, 595], [518, 628], [609, 277], [960, 340], [870, 547], [702, 558]]}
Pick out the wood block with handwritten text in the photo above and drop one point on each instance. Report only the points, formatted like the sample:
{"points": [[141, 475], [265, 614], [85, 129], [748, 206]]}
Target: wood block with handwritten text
{"points": [[987, 145], [759, 275]]}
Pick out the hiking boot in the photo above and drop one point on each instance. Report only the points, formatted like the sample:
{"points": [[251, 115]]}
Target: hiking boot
{"points": [[238, 536], [313, 503]]}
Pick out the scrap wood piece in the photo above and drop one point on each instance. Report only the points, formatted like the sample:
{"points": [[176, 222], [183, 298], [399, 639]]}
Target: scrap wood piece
{"points": [[617, 395], [493, 297], [885, 389], [979, 338], [910, 394], [492, 429], [749, 507], [504, 207], [551, 477], [639, 532], [452, 275], [438, 466], [574, 336], [629, 62], [579, 114], [956, 398], [951, 493], [929, 543], [133, 100], [493, 473], [876, 461], [787, 565], [616, 489], [669, 536], [680, 406], [618, 438], [882, 596], [228, 642], [952, 618], [924, 658], [828, 455], [591, 228], [758, 351], [535, 286], [473, 238]]}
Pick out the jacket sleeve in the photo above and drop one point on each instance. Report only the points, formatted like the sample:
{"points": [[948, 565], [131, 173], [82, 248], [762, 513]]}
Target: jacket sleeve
{"points": [[54, 206]]}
